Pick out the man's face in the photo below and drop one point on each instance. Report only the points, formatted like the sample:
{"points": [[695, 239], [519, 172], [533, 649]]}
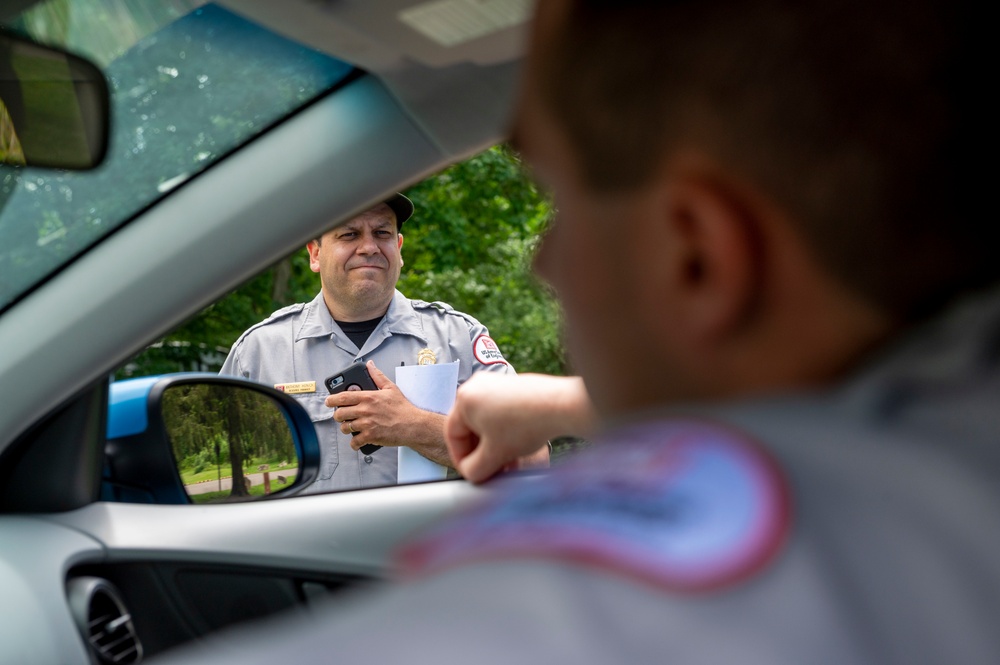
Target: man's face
{"points": [[359, 263]]}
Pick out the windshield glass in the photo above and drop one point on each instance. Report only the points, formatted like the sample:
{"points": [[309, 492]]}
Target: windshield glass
{"points": [[190, 82]]}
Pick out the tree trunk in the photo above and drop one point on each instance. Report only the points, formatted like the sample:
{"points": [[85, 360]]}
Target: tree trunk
{"points": [[235, 422], [279, 288]]}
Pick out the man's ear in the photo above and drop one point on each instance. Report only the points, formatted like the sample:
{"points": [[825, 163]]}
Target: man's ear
{"points": [[715, 262], [400, 248], [312, 247]]}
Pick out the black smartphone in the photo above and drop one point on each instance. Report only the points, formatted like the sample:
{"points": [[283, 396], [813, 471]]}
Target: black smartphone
{"points": [[355, 377]]}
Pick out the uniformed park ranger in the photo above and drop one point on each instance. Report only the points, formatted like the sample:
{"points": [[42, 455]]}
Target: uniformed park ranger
{"points": [[359, 316]]}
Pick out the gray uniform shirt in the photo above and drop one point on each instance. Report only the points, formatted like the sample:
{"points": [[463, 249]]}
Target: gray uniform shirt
{"points": [[302, 343], [890, 555]]}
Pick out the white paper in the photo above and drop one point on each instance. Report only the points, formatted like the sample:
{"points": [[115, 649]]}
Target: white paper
{"points": [[432, 388]]}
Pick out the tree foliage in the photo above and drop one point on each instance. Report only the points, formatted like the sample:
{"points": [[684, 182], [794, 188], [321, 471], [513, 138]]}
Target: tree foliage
{"points": [[469, 244]]}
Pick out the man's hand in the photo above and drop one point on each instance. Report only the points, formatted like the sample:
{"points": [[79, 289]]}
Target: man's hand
{"points": [[499, 420], [386, 418]]}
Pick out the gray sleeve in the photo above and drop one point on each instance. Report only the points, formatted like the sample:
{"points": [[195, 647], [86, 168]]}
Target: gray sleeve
{"points": [[241, 359], [485, 354], [232, 365], [503, 367]]}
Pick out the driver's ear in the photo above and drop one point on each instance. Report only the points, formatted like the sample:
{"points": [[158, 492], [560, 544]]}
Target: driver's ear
{"points": [[715, 267]]}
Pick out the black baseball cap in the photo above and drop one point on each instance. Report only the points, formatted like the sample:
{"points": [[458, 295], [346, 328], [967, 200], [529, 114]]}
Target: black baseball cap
{"points": [[402, 206]]}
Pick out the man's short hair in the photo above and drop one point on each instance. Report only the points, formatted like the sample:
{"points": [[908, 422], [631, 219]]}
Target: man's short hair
{"points": [[854, 117]]}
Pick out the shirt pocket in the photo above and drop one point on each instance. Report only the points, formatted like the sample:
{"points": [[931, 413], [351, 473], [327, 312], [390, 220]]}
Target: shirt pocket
{"points": [[326, 432]]}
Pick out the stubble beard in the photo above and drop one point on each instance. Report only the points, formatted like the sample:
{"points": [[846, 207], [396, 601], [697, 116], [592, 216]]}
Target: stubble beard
{"points": [[365, 296], [369, 295]]}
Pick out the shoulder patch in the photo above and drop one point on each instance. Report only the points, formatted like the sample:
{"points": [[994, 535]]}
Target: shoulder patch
{"points": [[487, 352], [684, 505]]}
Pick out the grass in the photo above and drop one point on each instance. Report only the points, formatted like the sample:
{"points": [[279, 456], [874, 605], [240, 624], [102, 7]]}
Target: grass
{"points": [[212, 473], [255, 490]]}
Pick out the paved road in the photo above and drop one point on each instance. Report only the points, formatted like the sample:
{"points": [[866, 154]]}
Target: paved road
{"points": [[227, 483]]}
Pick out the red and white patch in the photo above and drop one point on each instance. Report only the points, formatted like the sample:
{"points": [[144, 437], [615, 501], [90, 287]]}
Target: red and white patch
{"points": [[487, 352]]}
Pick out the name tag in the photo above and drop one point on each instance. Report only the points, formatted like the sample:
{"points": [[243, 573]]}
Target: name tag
{"points": [[296, 388]]}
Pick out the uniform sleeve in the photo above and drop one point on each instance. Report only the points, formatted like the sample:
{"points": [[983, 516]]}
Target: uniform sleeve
{"points": [[486, 353], [234, 365], [231, 366]]}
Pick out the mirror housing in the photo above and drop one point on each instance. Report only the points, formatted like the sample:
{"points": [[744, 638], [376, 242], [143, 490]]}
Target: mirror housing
{"points": [[160, 426], [54, 107]]}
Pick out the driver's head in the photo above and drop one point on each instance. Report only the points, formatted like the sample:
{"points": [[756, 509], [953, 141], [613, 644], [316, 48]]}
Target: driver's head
{"points": [[751, 193]]}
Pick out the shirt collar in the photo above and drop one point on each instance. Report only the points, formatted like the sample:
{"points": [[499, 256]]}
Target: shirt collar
{"points": [[400, 319], [317, 321], [947, 350]]}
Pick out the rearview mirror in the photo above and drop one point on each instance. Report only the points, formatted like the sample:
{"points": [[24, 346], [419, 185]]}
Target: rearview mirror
{"points": [[53, 107], [197, 438]]}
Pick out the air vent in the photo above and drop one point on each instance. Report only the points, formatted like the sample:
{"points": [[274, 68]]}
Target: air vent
{"points": [[103, 621]]}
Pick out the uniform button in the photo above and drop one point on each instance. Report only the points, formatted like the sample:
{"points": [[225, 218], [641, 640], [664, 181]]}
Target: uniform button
{"points": [[368, 459]]}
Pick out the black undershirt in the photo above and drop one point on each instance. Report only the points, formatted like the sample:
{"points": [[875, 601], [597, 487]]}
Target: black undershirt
{"points": [[359, 331]]}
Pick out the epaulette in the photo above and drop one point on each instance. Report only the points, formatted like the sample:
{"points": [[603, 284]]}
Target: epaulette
{"points": [[444, 308], [275, 316], [437, 304]]}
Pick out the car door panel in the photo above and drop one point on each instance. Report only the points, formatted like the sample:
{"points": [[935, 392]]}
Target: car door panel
{"points": [[186, 571], [346, 532]]}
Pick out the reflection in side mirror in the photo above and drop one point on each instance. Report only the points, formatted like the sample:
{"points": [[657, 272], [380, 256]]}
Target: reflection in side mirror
{"points": [[182, 438], [53, 107], [230, 443]]}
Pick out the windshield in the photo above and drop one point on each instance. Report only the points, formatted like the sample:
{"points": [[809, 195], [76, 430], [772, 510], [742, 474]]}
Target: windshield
{"points": [[189, 85]]}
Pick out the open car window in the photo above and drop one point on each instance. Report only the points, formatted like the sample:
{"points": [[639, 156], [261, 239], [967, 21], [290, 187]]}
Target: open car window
{"points": [[469, 244], [189, 85]]}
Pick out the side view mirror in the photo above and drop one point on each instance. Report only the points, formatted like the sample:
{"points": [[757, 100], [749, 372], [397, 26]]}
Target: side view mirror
{"points": [[203, 438], [54, 107]]}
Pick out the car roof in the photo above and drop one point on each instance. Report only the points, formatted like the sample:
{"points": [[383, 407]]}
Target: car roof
{"points": [[424, 105]]}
